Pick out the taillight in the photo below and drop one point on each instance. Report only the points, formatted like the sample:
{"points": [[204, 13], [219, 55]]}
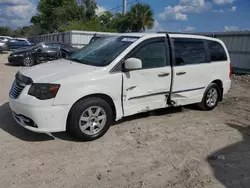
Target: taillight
{"points": [[230, 70]]}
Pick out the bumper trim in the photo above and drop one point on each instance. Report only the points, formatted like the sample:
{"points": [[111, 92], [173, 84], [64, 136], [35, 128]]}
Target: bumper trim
{"points": [[23, 120]]}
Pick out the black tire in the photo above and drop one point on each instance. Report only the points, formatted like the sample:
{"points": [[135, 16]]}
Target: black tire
{"points": [[76, 112], [64, 54], [28, 60], [204, 104]]}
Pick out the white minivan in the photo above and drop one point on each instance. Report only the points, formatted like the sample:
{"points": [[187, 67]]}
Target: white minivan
{"points": [[118, 76]]}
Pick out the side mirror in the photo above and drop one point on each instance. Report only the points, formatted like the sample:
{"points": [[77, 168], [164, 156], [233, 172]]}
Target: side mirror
{"points": [[133, 64], [39, 49]]}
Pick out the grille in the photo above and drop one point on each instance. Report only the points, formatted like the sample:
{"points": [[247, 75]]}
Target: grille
{"points": [[16, 90]]}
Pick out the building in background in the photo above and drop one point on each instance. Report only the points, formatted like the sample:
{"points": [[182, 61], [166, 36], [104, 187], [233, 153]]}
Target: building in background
{"points": [[238, 45]]}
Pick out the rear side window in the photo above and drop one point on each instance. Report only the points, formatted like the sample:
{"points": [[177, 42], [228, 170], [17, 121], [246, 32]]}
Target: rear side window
{"points": [[52, 46], [22, 42], [217, 52], [189, 51]]}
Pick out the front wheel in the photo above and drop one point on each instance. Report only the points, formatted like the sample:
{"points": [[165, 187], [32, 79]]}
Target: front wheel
{"points": [[64, 54], [89, 119], [28, 60], [210, 98]]}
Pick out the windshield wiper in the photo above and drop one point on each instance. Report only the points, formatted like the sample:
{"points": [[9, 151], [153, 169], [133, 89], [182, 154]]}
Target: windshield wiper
{"points": [[75, 60]]}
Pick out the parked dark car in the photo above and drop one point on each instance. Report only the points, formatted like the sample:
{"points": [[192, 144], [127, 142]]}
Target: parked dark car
{"points": [[94, 38], [39, 53], [18, 43]]}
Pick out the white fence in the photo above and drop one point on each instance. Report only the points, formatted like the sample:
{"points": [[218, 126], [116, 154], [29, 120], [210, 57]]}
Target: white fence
{"points": [[74, 38]]}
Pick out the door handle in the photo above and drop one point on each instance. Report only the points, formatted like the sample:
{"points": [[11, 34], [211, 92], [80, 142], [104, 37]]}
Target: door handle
{"points": [[131, 88], [163, 74], [180, 73]]}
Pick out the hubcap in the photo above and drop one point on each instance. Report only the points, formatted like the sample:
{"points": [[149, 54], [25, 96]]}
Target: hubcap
{"points": [[212, 97], [28, 61], [92, 120]]}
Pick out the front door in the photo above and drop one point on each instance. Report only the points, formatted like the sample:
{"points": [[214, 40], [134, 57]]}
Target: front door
{"points": [[147, 89]]}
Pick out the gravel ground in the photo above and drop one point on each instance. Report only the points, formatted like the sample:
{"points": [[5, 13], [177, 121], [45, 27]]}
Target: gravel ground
{"points": [[180, 147]]}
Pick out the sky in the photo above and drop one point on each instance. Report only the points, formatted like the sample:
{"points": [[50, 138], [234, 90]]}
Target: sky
{"points": [[169, 15]]}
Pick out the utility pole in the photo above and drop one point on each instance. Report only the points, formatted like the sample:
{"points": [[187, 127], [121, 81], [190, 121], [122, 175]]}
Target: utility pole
{"points": [[124, 10]]}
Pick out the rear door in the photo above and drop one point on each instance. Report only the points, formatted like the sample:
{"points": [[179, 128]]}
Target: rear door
{"points": [[51, 50], [147, 88], [12, 44], [192, 70]]}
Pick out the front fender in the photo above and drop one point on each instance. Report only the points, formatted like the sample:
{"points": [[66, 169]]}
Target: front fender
{"points": [[70, 93]]}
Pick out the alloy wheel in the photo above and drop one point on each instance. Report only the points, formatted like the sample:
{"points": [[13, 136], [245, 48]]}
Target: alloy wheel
{"points": [[212, 97], [92, 120]]}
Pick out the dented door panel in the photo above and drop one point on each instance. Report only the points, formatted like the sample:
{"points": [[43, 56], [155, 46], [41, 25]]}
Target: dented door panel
{"points": [[145, 90]]}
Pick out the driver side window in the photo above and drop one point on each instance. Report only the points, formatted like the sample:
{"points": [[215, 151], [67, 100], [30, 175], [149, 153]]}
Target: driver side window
{"points": [[152, 55]]}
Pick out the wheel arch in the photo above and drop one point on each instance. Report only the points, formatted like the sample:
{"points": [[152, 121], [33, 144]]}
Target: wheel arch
{"points": [[105, 97], [220, 84]]}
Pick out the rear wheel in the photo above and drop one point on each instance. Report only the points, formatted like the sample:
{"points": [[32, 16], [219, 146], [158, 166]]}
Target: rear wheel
{"points": [[89, 119], [210, 98], [28, 60]]}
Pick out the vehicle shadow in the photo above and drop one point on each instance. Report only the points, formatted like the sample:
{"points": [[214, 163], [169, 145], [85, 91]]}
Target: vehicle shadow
{"points": [[231, 165], [8, 125], [3, 52], [159, 112], [11, 65]]}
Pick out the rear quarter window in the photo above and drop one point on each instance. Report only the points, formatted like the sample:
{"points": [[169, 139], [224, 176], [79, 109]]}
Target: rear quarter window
{"points": [[217, 52]]}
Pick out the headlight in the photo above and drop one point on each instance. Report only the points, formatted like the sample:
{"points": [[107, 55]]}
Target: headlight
{"points": [[44, 91]]}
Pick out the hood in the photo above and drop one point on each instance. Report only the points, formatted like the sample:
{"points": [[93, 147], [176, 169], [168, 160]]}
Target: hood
{"points": [[22, 50], [55, 70]]}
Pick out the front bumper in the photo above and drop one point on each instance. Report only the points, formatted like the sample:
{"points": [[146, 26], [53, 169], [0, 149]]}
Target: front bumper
{"points": [[17, 60], [39, 119]]}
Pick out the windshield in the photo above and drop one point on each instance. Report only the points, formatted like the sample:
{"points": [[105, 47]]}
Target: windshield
{"points": [[39, 45], [102, 51]]}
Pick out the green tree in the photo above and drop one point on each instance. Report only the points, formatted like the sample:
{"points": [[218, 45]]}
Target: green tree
{"points": [[107, 21], [5, 31], [122, 22], [68, 12], [85, 25], [141, 17], [46, 16], [27, 31], [89, 7], [53, 14]]}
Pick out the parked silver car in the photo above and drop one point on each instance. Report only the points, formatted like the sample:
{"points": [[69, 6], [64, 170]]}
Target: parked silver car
{"points": [[3, 46]]}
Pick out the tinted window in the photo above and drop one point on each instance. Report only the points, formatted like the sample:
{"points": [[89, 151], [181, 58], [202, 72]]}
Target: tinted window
{"points": [[64, 46], [51, 46], [13, 40], [152, 55], [22, 42], [217, 52], [188, 51]]}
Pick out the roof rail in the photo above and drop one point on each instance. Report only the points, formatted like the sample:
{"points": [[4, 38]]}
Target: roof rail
{"points": [[167, 32]]}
